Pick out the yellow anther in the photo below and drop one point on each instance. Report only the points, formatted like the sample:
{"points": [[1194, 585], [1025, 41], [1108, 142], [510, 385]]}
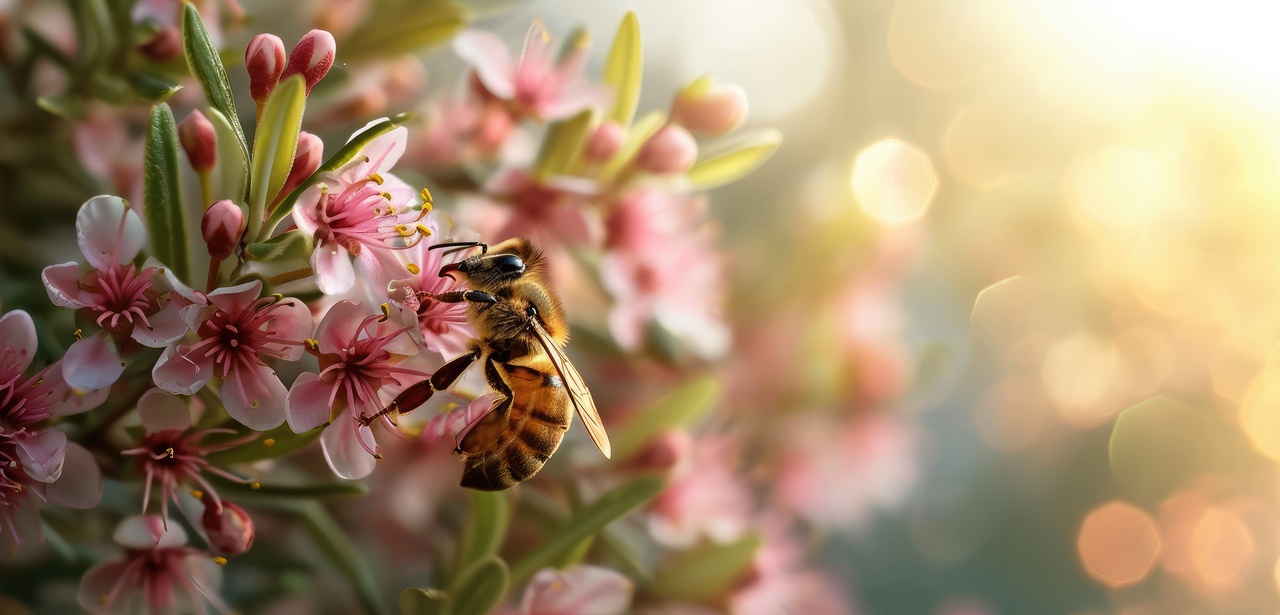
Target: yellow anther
{"points": [[169, 452], [375, 178], [386, 195], [426, 197], [414, 269], [254, 404], [404, 231], [425, 230], [79, 335], [391, 210], [312, 344], [197, 494], [386, 312], [269, 442], [221, 561], [255, 485]]}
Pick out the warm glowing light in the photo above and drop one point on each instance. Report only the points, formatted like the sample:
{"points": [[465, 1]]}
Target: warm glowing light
{"points": [[1221, 548], [893, 182], [976, 147], [1012, 414], [1126, 187], [1260, 408], [1118, 543], [1078, 375]]}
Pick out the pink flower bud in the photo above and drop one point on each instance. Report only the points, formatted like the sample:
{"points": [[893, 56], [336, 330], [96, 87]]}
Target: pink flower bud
{"points": [[230, 531], [222, 225], [710, 109], [306, 160], [670, 150], [264, 59], [312, 57], [199, 141], [605, 142], [663, 452]]}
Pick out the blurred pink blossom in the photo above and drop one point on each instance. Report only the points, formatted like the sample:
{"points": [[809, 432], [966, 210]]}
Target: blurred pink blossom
{"points": [[706, 497], [779, 582], [578, 590], [159, 573], [466, 129]]}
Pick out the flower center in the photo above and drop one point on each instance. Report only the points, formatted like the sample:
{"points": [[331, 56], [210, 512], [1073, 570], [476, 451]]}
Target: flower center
{"points": [[122, 297]]}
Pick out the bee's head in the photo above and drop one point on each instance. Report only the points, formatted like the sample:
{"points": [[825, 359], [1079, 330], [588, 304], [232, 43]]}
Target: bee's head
{"points": [[504, 264]]}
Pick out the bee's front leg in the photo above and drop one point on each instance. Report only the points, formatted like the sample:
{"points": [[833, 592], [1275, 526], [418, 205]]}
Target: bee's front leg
{"points": [[459, 296]]}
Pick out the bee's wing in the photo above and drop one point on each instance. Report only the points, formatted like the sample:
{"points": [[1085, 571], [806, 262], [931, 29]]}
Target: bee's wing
{"points": [[578, 392]]}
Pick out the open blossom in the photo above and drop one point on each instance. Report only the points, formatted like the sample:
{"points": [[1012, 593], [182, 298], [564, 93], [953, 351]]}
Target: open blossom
{"points": [[236, 332], [131, 305], [578, 590], [706, 498], [362, 211], [364, 361], [539, 84], [172, 453], [443, 326], [159, 573]]}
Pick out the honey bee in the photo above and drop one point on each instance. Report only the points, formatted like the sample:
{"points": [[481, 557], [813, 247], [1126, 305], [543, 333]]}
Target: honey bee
{"points": [[520, 336]]}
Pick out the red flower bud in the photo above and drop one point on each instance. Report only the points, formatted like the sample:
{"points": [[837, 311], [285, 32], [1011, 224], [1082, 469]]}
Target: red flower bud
{"points": [[264, 59], [306, 160], [222, 225], [670, 150], [710, 109], [230, 531], [199, 141], [663, 452], [605, 142], [312, 57]]}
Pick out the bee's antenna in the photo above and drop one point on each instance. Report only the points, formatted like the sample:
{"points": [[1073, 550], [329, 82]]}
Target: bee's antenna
{"points": [[461, 245]]}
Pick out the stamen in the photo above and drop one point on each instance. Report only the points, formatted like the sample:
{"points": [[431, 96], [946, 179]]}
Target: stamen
{"points": [[375, 178], [219, 560], [427, 201], [79, 335], [404, 231], [424, 230], [386, 195], [386, 312]]}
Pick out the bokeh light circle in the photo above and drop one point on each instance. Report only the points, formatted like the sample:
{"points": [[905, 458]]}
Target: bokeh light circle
{"points": [[1118, 543], [893, 182]]}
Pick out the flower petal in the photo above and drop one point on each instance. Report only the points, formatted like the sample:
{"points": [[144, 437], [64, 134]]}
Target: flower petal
{"points": [[166, 326], [579, 590], [42, 454], [72, 401], [290, 320], [377, 156], [160, 410], [18, 331], [339, 325], [62, 283], [342, 450], [236, 299], [80, 486], [91, 363], [309, 402], [257, 399], [99, 582], [488, 55], [109, 232], [180, 371], [168, 282], [332, 264], [146, 532]]}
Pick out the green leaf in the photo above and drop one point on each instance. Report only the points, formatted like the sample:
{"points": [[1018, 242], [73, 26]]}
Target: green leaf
{"points": [[623, 69], [335, 163], [283, 442], [231, 174], [678, 409], [162, 197], [481, 588], [587, 522], [274, 145], [293, 245], [729, 164], [562, 146], [344, 554], [490, 516], [152, 88], [640, 132], [413, 26], [706, 572], [414, 601], [204, 62], [316, 491], [62, 106]]}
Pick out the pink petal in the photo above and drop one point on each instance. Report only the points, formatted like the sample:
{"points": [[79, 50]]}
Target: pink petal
{"points": [[236, 299], [291, 320], [180, 372], [571, 98], [72, 401], [147, 532], [91, 363], [488, 55], [304, 209], [339, 326], [80, 486], [579, 590], [18, 331], [536, 59], [160, 410], [109, 232], [42, 454], [98, 583], [168, 282], [257, 399], [309, 402], [62, 283], [626, 323], [332, 264], [167, 326], [378, 156], [346, 457]]}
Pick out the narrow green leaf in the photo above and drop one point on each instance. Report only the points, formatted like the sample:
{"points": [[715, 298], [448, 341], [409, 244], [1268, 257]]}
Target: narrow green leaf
{"points": [[150, 87], [342, 553], [730, 164], [706, 572], [62, 106], [274, 144], [481, 588], [414, 26], [490, 516], [679, 408], [587, 522], [161, 196], [283, 441], [623, 69], [290, 492], [334, 163], [293, 245], [636, 137], [204, 62], [414, 601], [562, 146], [60, 545], [231, 174]]}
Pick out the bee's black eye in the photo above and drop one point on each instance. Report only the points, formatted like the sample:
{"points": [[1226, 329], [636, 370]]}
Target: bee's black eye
{"points": [[531, 311], [509, 263]]}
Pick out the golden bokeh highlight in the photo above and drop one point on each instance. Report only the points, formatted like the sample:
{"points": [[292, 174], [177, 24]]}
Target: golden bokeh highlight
{"points": [[1221, 548], [1079, 374], [1260, 408], [975, 146], [1126, 187], [893, 182], [1118, 543]]}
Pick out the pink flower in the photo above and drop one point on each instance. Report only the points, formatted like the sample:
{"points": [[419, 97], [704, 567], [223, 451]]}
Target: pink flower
{"points": [[360, 211], [452, 426], [235, 333], [466, 129], [159, 573], [443, 326], [778, 581], [172, 453], [549, 213], [706, 498], [364, 360], [129, 304], [660, 267], [670, 150], [538, 85], [577, 590], [227, 528]]}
